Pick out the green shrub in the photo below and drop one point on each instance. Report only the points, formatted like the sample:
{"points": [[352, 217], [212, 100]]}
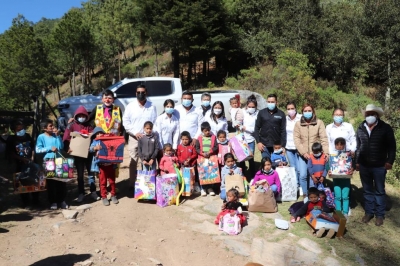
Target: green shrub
{"points": [[394, 175]]}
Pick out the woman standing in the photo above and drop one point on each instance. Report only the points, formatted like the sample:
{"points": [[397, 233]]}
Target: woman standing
{"points": [[308, 130], [340, 129], [216, 118], [167, 126], [291, 151], [249, 121]]}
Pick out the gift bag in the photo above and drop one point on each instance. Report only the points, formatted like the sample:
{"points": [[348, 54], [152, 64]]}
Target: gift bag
{"points": [[235, 181], [145, 185], [241, 148], [262, 201], [167, 189], [112, 149], [288, 178], [49, 167], [222, 150], [188, 176], [208, 170], [330, 199], [64, 167], [230, 224]]}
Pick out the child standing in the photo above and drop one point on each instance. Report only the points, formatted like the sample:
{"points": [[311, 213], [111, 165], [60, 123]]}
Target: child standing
{"points": [[314, 202], [270, 175], [278, 158], [342, 186], [317, 165], [79, 124], [206, 146], [236, 113], [229, 168], [232, 206], [148, 147], [49, 144], [107, 170], [223, 146], [186, 153], [168, 160]]}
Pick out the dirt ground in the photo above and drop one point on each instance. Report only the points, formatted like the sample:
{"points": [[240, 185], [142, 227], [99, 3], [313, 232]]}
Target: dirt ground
{"points": [[130, 233]]}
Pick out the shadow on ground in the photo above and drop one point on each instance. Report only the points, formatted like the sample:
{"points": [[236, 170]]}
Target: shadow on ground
{"points": [[62, 260]]}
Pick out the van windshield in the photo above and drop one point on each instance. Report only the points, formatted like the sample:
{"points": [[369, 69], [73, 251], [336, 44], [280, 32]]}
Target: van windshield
{"points": [[111, 88]]}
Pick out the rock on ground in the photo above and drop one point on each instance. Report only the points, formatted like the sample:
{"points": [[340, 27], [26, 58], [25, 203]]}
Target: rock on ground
{"points": [[310, 245], [238, 247], [84, 207], [329, 261], [70, 214]]}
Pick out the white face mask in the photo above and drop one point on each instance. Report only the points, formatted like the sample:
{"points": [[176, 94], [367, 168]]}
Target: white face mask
{"points": [[217, 111], [81, 119], [370, 119], [251, 110]]}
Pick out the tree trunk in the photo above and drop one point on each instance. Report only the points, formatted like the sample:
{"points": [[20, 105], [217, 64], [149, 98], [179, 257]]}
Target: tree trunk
{"points": [[119, 66], [190, 69], [387, 96], [175, 59], [58, 91], [73, 84]]}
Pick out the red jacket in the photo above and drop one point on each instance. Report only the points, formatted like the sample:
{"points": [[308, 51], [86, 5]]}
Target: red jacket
{"points": [[76, 126], [186, 152]]}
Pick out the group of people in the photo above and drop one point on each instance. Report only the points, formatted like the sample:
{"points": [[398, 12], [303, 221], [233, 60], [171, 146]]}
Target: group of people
{"points": [[183, 134]]}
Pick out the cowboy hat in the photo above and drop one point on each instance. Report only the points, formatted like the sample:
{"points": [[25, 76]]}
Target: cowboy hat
{"points": [[372, 108]]}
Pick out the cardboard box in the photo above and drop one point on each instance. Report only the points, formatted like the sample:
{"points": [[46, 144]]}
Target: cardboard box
{"points": [[79, 144], [317, 223]]}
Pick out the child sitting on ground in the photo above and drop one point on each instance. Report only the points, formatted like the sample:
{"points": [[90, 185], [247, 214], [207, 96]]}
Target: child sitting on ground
{"points": [[342, 186], [148, 147], [317, 165], [206, 146], [278, 157], [107, 170], [223, 146], [168, 160], [50, 144], [229, 168], [232, 206], [313, 203], [268, 174]]}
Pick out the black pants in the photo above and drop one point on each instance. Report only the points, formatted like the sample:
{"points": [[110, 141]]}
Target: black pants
{"points": [[56, 190], [25, 197], [81, 164]]}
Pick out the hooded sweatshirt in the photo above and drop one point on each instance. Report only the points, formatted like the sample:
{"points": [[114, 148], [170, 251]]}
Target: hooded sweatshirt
{"points": [[76, 126]]}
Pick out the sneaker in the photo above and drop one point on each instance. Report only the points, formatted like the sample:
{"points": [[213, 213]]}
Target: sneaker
{"points": [[105, 202], [301, 191], [80, 198], [53, 206], [330, 233], [349, 212], [320, 232], [114, 200], [203, 193], [211, 192], [94, 195], [197, 187], [64, 205]]}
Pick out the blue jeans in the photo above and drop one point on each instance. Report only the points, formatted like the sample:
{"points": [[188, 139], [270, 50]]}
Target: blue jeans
{"points": [[373, 182], [303, 174], [293, 158], [92, 182], [222, 194]]}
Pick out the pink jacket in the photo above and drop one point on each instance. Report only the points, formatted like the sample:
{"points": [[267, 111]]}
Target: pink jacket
{"points": [[167, 164], [271, 179]]}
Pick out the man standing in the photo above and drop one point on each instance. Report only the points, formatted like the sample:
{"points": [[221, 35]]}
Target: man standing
{"points": [[136, 114], [205, 103], [270, 127], [189, 119], [375, 154]]}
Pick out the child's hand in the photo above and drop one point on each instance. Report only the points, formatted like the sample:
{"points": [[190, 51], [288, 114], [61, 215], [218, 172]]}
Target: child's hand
{"points": [[166, 171], [69, 151], [223, 206], [97, 147], [151, 162], [206, 155], [145, 163], [314, 179], [321, 180], [231, 171], [54, 149], [186, 163], [350, 172]]}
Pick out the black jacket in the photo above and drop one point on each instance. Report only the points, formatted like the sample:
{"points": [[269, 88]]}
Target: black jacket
{"points": [[148, 147], [377, 149], [270, 127]]}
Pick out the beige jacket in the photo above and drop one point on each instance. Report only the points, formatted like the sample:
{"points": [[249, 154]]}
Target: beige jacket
{"points": [[306, 134]]}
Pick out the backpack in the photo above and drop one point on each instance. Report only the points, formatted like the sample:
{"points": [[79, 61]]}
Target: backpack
{"points": [[230, 224]]}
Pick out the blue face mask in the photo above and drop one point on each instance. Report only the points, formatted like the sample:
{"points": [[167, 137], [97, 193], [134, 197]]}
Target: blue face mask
{"points": [[205, 103], [169, 110], [338, 119], [21, 133], [186, 103], [307, 115], [271, 106]]}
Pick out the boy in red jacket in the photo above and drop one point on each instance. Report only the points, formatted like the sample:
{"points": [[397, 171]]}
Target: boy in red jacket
{"points": [[185, 152]]}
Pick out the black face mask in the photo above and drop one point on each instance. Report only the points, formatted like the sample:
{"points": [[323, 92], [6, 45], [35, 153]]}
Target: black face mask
{"points": [[141, 96]]}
